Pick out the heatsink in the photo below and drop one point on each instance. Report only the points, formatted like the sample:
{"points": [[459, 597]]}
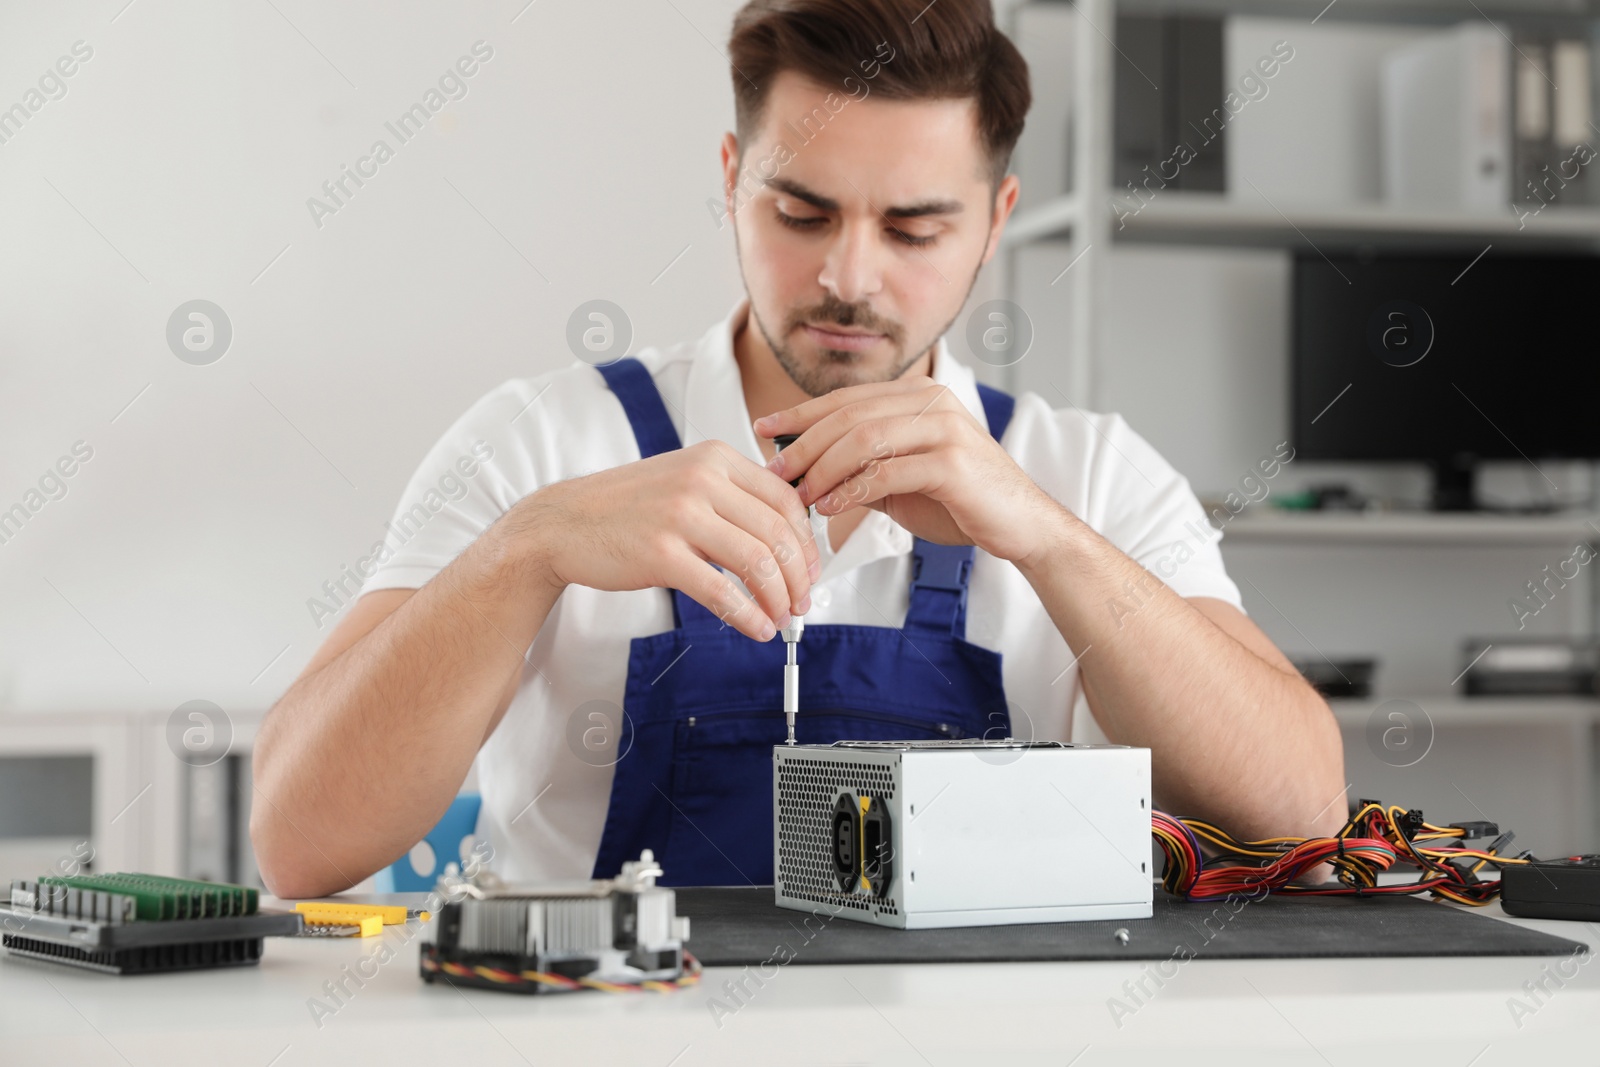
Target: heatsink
{"points": [[538, 939]]}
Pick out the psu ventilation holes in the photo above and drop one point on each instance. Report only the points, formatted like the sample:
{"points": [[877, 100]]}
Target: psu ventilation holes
{"points": [[807, 790]]}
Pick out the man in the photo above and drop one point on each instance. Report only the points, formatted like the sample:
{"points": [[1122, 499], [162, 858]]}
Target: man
{"points": [[974, 561]]}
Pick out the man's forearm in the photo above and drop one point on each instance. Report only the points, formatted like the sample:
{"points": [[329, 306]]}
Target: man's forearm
{"points": [[390, 726], [1233, 738]]}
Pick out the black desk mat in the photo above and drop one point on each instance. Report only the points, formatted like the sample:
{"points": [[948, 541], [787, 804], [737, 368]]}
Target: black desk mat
{"points": [[734, 927]]}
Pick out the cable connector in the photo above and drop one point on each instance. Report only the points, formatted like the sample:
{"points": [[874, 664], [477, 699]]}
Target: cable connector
{"points": [[1463, 866], [1498, 845], [1411, 822], [1471, 831]]}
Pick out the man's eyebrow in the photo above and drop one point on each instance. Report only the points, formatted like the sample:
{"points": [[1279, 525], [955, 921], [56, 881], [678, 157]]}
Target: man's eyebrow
{"points": [[925, 207], [824, 203], [800, 192]]}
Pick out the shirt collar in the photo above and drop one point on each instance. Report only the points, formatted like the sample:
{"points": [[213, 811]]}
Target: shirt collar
{"points": [[714, 409]]}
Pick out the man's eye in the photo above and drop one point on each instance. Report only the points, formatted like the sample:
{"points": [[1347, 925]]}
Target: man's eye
{"points": [[912, 240], [809, 222]]}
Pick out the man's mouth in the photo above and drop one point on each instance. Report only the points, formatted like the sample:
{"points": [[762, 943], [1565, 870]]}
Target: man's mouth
{"points": [[841, 339]]}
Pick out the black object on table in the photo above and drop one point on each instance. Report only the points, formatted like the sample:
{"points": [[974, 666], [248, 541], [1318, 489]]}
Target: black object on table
{"points": [[739, 926], [1565, 888]]}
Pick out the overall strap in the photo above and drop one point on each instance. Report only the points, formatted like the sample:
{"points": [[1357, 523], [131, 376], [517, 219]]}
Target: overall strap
{"points": [[997, 409], [653, 429], [939, 573], [641, 401]]}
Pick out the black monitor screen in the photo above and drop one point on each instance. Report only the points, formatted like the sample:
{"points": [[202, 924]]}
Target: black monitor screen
{"points": [[1446, 359]]}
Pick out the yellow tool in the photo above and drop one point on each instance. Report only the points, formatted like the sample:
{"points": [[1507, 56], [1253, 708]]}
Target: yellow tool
{"points": [[364, 925], [390, 914]]}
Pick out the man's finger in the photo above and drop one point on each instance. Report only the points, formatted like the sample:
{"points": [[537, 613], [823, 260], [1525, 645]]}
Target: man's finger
{"points": [[865, 447], [781, 581], [801, 417], [897, 476], [745, 557], [776, 493], [903, 419], [911, 408], [718, 593]]}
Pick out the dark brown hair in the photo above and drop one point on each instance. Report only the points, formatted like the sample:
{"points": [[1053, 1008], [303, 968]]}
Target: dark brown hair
{"points": [[949, 49]]}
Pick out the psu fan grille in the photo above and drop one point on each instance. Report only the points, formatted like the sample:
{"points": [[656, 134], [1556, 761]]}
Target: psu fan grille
{"points": [[807, 789]]}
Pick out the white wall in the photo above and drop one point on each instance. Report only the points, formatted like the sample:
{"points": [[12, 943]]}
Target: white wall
{"points": [[1044, 34], [177, 166]]}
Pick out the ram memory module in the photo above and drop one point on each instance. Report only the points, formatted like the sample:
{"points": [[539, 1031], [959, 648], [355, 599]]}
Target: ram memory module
{"points": [[138, 923]]}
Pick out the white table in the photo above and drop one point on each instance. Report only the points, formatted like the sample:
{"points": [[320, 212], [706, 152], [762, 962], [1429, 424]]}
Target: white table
{"points": [[1450, 1011]]}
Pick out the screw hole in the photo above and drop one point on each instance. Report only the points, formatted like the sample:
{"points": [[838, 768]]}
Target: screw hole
{"points": [[1141, 802]]}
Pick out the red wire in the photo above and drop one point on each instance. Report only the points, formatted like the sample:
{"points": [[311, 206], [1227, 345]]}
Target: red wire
{"points": [[1378, 847]]}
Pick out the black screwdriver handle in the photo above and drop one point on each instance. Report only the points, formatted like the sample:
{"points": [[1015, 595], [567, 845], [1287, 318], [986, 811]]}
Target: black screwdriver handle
{"points": [[783, 441]]}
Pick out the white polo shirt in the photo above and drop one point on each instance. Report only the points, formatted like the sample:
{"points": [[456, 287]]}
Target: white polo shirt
{"points": [[545, 772]]}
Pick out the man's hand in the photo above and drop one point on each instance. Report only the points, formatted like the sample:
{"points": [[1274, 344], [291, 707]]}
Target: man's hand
{"points": [[663, 521], [911, 449]]}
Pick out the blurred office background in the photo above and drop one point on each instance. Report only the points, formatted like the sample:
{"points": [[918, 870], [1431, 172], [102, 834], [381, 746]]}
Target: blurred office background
{"points": [[156, 600]]}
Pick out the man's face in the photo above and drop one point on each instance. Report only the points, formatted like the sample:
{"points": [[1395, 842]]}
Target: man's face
{"points": [[862, 244]]}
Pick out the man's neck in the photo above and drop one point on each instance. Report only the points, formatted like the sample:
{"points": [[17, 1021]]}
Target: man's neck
{"points": [[768, 387]]}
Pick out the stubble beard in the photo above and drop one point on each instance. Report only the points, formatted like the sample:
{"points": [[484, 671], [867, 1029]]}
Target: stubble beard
{"points": [[836, 369]]}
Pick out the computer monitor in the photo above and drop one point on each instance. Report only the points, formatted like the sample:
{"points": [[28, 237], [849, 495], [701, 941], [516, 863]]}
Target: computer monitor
{"points": [[1446, 360]]}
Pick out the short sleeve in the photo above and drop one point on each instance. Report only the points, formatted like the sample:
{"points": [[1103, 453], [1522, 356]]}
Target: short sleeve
{"points": [[1148, 510], [470, 477]]}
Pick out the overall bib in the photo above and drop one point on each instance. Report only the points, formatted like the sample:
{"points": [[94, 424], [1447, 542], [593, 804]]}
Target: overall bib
{"points": [[704, 703]]}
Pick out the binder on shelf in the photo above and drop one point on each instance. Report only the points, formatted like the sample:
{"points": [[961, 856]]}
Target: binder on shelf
{"points": [[1168, 91], [1554, 140], [1445, 122]]}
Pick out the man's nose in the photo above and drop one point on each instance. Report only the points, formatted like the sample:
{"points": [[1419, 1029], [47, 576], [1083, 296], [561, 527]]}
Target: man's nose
{"points": [[853, 270]]}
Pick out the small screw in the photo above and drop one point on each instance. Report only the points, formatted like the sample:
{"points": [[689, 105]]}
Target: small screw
{"points": [[1121, 935]]}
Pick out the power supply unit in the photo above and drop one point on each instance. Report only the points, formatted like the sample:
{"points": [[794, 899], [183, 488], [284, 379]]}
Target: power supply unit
{"points": [[923, 834]]}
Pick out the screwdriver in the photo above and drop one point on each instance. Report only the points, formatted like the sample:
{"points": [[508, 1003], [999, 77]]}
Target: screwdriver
{"points": [[792, 632]]}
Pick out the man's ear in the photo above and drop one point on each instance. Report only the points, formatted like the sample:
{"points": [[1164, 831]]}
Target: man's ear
{"points": [[1005, 201], [730, 170]]}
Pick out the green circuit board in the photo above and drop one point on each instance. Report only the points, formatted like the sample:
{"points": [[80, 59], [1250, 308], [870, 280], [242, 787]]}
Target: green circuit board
{"points": [[138, 923], [160, 898]]}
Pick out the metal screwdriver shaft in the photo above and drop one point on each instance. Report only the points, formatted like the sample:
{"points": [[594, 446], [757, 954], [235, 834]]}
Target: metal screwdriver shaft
{"points": [[791, 633], [791, 674]]}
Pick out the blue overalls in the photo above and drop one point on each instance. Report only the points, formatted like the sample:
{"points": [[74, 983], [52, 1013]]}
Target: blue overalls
{"points": [[704, 703]]}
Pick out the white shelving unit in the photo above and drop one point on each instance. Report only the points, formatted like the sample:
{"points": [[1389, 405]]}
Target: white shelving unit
{"points": [[139, 816], [1530, 762], [1218, 218], [1458, 710], [1410, 528], [1087, 215]]}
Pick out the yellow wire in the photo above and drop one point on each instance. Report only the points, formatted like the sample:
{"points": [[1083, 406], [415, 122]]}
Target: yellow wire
{"points": [[1357, 864]]}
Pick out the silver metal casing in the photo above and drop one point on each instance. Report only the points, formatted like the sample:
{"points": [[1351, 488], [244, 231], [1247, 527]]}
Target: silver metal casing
{"points": [[965, 832]]}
